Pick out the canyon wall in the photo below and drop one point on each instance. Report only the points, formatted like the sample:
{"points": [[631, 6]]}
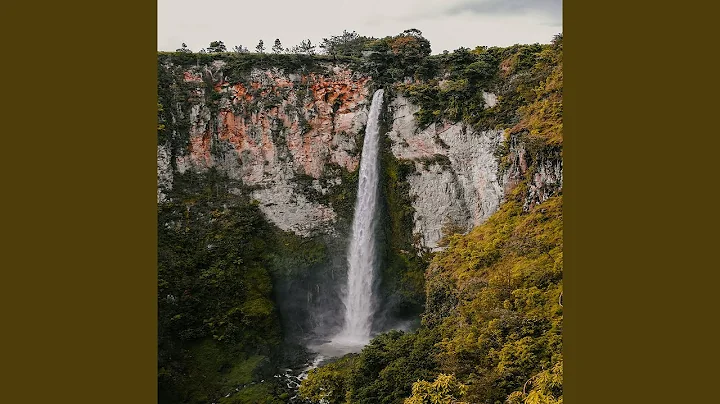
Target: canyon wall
{"points": [[291, 136]]}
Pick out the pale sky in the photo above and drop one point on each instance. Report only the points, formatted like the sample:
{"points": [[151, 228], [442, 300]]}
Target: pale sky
{"points": [[447, 24]]}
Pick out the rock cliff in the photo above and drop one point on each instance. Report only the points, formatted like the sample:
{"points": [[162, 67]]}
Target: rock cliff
{"points": [[455, 181], [271, 132], [289, 136]]}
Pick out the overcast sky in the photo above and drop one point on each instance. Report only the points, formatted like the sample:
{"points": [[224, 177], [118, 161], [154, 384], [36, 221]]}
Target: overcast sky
{"points": [[448, 24]]}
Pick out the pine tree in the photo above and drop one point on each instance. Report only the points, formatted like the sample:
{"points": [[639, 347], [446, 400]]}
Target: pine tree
{"points": [[307, 47], [216, 46], [277, 48], [184, 49]]}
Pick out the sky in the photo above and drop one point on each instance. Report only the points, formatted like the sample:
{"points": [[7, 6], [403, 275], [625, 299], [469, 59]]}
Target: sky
{"points": [[447, 24]]}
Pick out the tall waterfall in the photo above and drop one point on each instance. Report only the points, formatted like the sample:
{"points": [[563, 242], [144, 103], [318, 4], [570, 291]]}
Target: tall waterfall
{"points": [[359, 301]]}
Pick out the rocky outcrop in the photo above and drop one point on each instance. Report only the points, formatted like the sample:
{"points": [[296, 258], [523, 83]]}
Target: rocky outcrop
{"points": [[164, 172], [546, 174], [455, 181]]}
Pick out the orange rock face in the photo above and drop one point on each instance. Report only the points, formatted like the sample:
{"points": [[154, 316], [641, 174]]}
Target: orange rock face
{"points": [[313, 118], [192, 77], [200, 150]]}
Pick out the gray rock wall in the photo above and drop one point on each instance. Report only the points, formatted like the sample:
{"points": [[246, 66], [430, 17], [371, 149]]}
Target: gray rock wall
{"points": [[456, 178]]}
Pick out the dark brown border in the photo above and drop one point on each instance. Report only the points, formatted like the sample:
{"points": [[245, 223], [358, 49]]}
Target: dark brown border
{"points": [[637, 105], [79, 320], [79, 275]]}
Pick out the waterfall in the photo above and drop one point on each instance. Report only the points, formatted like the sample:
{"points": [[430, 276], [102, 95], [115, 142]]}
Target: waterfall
{"points": [[359, 301]]}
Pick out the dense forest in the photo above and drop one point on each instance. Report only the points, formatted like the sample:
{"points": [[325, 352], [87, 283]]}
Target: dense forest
{"points": [[490, 302]]}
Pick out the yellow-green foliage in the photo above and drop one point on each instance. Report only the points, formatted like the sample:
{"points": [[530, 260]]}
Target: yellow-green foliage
{"points": [[493, 322], [493, 313], [506, 276], [544, 388], [444, 390], [328, 383], [542, 116], [527, 80]]}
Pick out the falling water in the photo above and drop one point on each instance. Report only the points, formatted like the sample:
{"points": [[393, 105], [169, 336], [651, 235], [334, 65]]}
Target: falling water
{"points": [[361, 255]]}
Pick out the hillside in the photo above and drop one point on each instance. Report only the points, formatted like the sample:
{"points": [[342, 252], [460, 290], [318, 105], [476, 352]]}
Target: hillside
{"points": [[257, 176]]}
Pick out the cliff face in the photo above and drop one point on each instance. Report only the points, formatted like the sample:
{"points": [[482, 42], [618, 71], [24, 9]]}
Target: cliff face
{"points": [[258, 158], [271, 132], [455, 180], [291, 136]]}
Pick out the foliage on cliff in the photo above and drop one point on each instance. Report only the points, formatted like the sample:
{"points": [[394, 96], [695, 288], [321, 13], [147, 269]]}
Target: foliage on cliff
{"points": [[526, 78], [403, 265], [541, 117], [217, 322], [394, 58], [348, 44], [493, 318], [492, 327], [492, 324], [444, 390]]}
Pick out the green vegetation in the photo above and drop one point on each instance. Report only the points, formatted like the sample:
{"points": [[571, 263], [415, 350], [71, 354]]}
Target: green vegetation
{"points": [[173, 127], [330, 382], [493, 319], [491, 301], [444, 390], [391, 362], [541, 116], [240, 63], [217, 256], [216, 46], [348, 44], [340, 195], [392, 59], [402, 270], [492, 324], [513, 73]]}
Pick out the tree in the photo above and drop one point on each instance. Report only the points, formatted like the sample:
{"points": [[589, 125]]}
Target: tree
{"points": [[557, 40], [410, 45], [277, 48], [545, 387], [413, 32], [329, 383], [307, 47], [240, 49], [444, 390], [216, 46], [347, 44], [260, 48], [184, 49]]}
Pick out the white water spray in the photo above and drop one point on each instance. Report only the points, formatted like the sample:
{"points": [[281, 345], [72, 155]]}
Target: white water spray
{"points": [[359, 301]]}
